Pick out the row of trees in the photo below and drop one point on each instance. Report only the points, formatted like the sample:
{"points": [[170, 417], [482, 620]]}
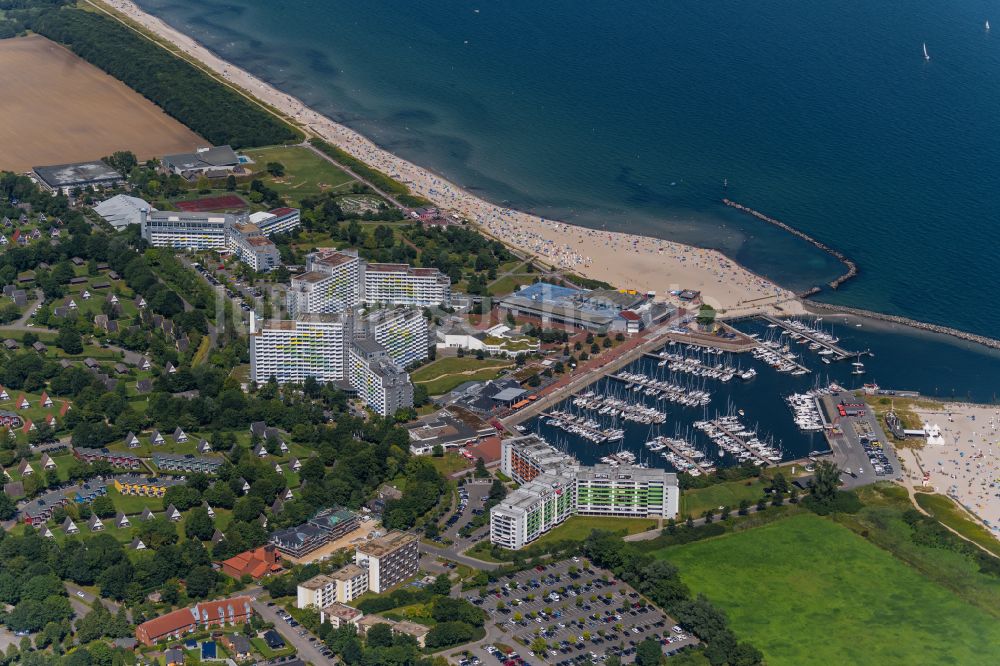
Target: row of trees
{"points": [[212, 110]]}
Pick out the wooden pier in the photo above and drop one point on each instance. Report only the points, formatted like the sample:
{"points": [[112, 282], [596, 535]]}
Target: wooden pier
{"points": [[839, 353], [742, 442]]}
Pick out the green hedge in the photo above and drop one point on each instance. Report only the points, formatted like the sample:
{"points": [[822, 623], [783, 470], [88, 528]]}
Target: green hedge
{"points": [[214, 111]]}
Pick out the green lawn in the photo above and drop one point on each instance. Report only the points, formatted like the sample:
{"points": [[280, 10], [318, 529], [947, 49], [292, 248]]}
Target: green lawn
{"points": [[306, 174], [807, 590], [695, 501], [944, 510], [450, 463], [134, 504], [509, 284], [579, 528], [444, 374]]}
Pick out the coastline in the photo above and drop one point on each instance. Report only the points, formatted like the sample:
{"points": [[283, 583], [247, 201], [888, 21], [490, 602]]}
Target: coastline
{"points": [[625, 260]]}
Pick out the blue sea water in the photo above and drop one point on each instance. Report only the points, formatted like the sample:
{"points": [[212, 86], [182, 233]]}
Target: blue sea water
{"points": [[631, 114]]}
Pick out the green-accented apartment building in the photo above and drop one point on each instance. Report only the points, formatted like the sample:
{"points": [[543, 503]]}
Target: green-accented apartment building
{"points": [[555, 486]]}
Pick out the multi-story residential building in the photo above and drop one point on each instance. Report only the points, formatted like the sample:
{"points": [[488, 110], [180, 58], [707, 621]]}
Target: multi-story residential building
{"points": [[339, 615], [249, 244], [389, 559], [326, 526], [277, 221], [524, 458], [317, 592], [176, 462], [555, 486], [331, 283], [401, 330], [382, 384], [627, 491], [532, 510], [344, 585], [182, 230], [402, 284], [292, 350], [203, 615]]}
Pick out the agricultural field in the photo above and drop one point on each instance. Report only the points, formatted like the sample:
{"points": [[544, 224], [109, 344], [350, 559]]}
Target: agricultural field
{"points": [[807, 590], [306, 173], [105, 114]]}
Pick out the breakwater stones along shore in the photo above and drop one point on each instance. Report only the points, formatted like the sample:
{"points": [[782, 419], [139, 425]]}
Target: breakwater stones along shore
{"points": [[993, 343], [852, 268]]}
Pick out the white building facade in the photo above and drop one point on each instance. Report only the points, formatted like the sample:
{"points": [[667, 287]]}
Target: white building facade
{"points": [[292, 350], [383, 385], [402, 284], [185, 231], [403, 331]]}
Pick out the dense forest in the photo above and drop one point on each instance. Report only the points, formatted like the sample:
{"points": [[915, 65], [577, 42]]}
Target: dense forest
{"points": [[215, 112]]}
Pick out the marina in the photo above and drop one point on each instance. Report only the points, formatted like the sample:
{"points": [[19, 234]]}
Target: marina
{"points": [[817, 339], [766, 379]]}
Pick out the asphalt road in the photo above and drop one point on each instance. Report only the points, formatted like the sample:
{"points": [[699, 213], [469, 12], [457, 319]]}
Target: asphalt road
{"points": [[307, 650]]}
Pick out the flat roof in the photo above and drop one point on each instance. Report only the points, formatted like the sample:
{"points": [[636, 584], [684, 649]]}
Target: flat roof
{"points": [[311, 277], [383, 545], [67, 175]]}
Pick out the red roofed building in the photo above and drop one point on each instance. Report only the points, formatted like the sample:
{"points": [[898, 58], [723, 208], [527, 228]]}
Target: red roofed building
{"points": [[65, 408], [633, 322], [255, 563], [204, 615], [488, 449]]}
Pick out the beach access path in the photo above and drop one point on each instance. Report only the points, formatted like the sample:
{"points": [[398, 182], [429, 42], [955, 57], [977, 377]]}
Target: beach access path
{"points": [[624, 260]]}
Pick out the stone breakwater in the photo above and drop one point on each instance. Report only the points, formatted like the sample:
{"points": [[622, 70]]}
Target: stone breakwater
{"points": [[852, 268], [895, 319]]}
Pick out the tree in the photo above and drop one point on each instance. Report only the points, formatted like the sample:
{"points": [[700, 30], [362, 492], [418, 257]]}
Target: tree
{"points": [[539, 646], [379, 635], [103, 507], [199, 524], [69, 340], [200, 581], [826, 479], [744, 507], [481, 471], [8, 508], [441, 585], [276, 169], [648, 653], [779, 484]]}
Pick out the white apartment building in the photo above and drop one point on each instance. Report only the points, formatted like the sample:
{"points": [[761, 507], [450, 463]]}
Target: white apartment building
{"points": [[331, 283], [401, 330], [292, 350], [388, 559], [249, 244], [277, 221], [532, 510], [185, 231], [555, 486], [382, 384], [342, 586], [402, 284]]}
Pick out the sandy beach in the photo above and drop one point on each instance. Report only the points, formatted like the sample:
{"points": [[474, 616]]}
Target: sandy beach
{"points": [[966, 465], [624, 260]]}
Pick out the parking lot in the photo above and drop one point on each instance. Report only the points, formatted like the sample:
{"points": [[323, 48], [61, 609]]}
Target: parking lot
{"points": [[862, 451], [471, 498], [582, 613]]}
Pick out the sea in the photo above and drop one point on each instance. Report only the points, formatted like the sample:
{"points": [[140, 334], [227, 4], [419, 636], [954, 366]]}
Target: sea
{"points": [[642, 115]]}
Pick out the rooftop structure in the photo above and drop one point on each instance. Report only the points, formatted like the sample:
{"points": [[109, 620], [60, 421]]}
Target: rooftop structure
{"points": [[211, 161], [121, 210], [65, 177], [176, 624], [596, 310]]}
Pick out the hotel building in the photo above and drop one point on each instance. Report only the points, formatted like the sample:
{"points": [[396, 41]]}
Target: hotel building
{"points": [[401, 330], [402, 284], [380, 382], [277, 221], [389, 559], [342, 586], [331, 283], [291, 350], [248, 243], [185, 231], [554, 486]]}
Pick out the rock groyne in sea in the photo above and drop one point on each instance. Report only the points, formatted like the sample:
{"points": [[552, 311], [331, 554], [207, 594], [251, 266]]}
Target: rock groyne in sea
{"points": [[906, 321], [852, 268]]}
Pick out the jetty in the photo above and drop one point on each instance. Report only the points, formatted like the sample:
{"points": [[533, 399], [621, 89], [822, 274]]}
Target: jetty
{"points": [[726, 428], [852, 268], [838, 353]]}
